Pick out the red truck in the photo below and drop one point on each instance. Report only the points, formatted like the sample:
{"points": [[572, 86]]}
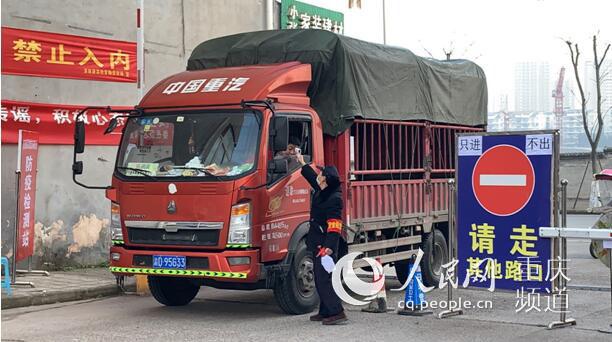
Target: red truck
{"points": [[204, 194]]}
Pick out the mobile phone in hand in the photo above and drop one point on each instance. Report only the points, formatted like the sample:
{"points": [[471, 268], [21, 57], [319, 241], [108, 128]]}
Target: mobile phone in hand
{"points": [[298, 151]]}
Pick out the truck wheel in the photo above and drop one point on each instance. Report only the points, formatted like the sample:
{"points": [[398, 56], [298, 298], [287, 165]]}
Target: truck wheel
{"points": [[433, 258], [172, 291], [430, 264], [296, 293]]}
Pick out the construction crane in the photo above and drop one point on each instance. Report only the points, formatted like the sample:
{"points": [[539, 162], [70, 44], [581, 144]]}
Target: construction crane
{"points": [[558, 95]]}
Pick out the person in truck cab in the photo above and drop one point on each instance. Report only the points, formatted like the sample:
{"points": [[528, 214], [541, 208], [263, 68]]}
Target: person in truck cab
{"points": [[324, 237], [290, 153]]}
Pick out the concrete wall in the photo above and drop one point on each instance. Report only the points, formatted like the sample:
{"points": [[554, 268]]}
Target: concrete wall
{"points": [[572, 168], [72, 222]]}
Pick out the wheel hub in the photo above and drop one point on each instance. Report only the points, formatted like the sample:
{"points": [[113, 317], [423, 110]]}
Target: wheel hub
{"points": [[305, 277]]}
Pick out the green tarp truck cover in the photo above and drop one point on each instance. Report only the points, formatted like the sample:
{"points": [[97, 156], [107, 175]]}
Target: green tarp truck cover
{"points": [[356, 79]]}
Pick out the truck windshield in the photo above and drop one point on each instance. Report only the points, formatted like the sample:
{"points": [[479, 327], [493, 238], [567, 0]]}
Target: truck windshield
{"points": [[202, 144]]}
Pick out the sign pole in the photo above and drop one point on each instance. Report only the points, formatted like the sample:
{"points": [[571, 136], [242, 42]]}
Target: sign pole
{"points": [[16, 236], [451, 249], [556, 211], [140, 48], [562, 281], [610, 263], [384, 21]]}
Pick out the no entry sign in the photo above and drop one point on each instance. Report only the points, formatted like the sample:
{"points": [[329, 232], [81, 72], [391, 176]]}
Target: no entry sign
{"points": [[504, 194], [503, 180]]}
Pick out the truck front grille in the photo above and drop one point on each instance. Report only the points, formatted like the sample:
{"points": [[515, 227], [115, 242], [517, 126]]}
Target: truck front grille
{"points": [[174, 233], [190, 237]]}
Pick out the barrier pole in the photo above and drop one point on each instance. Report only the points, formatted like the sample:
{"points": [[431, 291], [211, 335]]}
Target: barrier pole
{"points": [[451, 249], [563, 320], [16, 237]]}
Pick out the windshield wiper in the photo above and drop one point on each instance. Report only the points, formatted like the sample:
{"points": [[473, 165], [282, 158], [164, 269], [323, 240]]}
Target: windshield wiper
{"points": [[206, 172], [138, 171]]}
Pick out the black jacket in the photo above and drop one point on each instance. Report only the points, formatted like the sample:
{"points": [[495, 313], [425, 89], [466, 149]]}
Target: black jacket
{"points": [[325, 214]]}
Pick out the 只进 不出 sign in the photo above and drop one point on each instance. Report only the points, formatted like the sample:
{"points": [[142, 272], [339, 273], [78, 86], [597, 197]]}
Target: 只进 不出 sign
{"points": [[504, 194]]}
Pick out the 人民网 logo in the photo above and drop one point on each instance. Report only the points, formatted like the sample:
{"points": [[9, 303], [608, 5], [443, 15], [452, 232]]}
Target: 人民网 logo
{"points": [[344, 271]]}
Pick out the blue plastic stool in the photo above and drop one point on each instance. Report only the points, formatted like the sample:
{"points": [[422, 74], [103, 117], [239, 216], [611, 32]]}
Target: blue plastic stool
{"points": [[6, 283]]}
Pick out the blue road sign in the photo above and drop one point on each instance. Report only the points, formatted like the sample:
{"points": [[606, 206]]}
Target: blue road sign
{"points": [[504, 194]]}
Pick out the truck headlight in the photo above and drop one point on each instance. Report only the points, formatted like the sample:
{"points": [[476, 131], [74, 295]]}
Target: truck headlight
{"points": [[115, 224], [240, 224]]}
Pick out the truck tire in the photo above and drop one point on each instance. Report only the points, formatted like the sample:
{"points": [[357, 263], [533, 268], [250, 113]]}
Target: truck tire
{"points": [[172, 291], [430, 266], [296, 293], [432, 262]]}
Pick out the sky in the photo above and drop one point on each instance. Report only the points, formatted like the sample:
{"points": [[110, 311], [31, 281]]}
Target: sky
{"points": [[498, 34], [495, 34]]}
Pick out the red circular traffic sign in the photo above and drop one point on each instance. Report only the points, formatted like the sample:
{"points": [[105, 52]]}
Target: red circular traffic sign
{"points": [[503, 180]]}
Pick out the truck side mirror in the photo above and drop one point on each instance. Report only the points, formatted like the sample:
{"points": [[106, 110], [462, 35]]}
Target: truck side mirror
{"points": [[280, 134], [79, 137], [278, 166], [111, 126]]}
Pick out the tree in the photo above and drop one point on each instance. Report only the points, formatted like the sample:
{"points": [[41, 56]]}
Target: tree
{"points": [[593, 135]]}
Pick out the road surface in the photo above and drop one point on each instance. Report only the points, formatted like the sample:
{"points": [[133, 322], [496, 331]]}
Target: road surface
{"points": [[217, 315]]}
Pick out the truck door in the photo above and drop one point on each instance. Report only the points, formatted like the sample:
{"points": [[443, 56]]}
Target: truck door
{"points": [[288, 194]]}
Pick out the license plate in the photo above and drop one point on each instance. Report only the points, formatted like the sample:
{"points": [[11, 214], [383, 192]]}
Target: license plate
{"points": [[169, 261]]}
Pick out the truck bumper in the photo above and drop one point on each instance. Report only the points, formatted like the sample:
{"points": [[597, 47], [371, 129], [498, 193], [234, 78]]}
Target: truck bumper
{"points": [[215, 265]]}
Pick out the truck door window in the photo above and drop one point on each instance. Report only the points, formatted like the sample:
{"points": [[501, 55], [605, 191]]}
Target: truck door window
{"points": [[299, 138]]}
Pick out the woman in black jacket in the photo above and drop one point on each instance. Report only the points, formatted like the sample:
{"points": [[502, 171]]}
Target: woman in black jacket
{"points": [[324, 237]]}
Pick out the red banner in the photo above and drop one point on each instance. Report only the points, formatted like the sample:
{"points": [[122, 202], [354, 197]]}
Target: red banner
{"points": [[55, 122], [36, 53], [27, 162]]}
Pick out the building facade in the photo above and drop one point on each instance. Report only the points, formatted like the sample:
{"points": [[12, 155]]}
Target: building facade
{"points": [[532, 87]]}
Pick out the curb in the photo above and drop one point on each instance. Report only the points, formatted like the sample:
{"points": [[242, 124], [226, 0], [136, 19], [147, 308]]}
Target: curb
{"points": [[52, 297]]}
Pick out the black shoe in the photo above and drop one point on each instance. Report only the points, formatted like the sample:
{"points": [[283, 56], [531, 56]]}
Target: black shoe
{"points": [[336, 319], [317, 318]]}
